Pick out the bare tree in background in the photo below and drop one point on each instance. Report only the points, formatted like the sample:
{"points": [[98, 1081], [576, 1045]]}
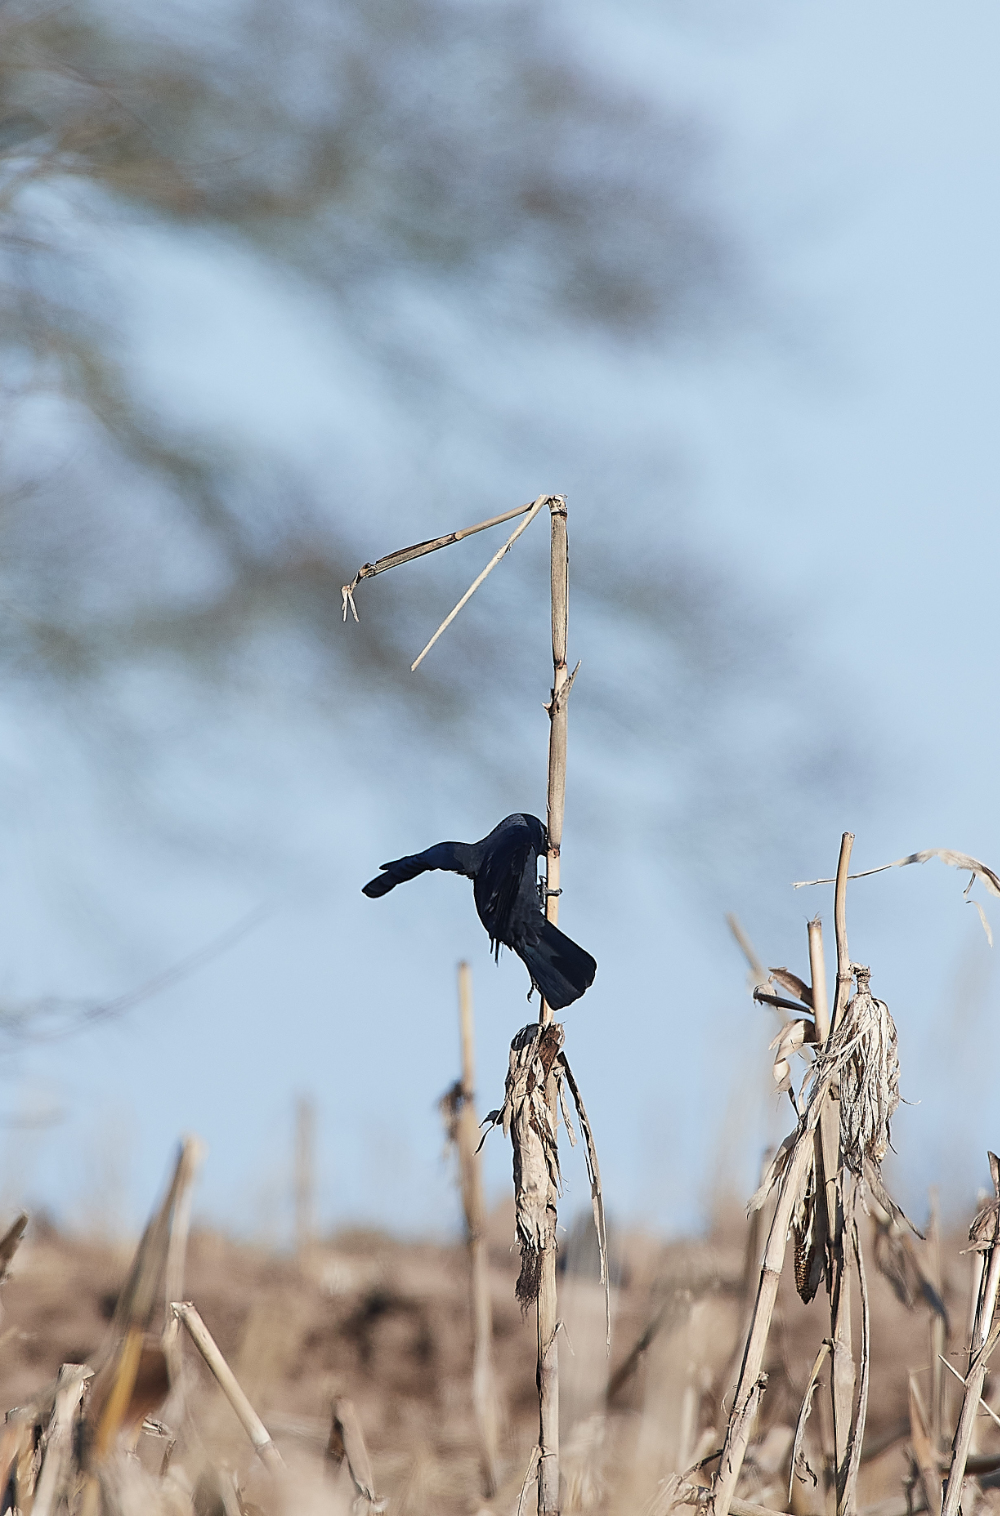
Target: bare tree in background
{"points": [[375, 149]]}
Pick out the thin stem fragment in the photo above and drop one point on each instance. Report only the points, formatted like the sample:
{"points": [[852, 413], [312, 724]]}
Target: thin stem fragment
{"points": [[473, 587]]}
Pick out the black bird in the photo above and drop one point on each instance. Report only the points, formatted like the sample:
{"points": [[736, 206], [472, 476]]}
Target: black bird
{"points": [[504, 873]]}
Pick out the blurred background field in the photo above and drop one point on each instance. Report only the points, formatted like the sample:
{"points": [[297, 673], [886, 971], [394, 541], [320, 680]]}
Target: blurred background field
{"points": [[364, 1315]]}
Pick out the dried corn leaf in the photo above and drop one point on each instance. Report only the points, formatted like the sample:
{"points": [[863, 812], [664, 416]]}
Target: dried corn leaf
{"points": [[985, 1228], [594, 1175], [896, 1260], [883, 1200], [533, 1462], [799, 1468], [982, 916], [741, 1419], [142, 1290], [347, 1443], [10, 1242], [528, 1120], [793, 984], [763, 996], [861, 1409], [977, 870], [790, 1040], [772, 1174], [947, 855], [120, 1359]]}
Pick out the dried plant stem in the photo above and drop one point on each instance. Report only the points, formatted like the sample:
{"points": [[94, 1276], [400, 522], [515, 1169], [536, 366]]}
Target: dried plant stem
{"points": [[484, 1387], [991, 1462], [522, 526], [191, 1155], [229, 1385], [842, 1375], [558, 712], [828, 1165], [924, 1452], [817, 973], [58, 1461], [121, 1391], [407, 554], [840, 927], [828, 1138], [305, 1169], [752, 1379], [938, 1326], [548, 1353], [347, 1443], [976, 1286], [758, 971], [694, 1494], [806, 1147], [974, 1381]]}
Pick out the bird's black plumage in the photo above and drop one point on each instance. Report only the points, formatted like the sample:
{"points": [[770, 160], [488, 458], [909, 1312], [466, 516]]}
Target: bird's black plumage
{"points": [[503, 868]]}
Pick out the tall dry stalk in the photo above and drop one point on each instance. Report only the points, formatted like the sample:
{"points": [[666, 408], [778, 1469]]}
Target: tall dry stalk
{"points": [[547, 1305], [305, 1174], [842, 1374], [938, 1327], [229, 1385], [985, 1238], [460, 1109]]}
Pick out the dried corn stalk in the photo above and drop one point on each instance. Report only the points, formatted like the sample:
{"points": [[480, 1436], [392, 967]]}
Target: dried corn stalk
{"points": [[984, 1234], [528, 1120], [860, 1061], [529, 1123], [347, 1445], [862, 1057], [864, 1047]]}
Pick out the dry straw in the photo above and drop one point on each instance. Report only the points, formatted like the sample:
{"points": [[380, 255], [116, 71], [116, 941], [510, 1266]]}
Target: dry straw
{"points": [[229, 1385], [72, 1450], [459, 1110], [346, 1445]]}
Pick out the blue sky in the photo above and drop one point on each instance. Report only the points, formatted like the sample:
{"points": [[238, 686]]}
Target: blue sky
{"points": [[833, 453]]}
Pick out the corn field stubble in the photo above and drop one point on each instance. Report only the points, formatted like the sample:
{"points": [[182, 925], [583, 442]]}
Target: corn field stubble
{"points": [[386, 1325]]}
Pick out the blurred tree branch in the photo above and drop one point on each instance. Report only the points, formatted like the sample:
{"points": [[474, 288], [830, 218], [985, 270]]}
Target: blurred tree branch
{"points": [[461, 150]]}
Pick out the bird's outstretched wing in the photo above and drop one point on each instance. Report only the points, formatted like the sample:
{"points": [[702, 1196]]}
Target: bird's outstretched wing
{"points": [[453, 857]]}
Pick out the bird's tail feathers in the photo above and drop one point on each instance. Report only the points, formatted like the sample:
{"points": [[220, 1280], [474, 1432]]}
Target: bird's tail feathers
{"points": [[559, 967]]}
